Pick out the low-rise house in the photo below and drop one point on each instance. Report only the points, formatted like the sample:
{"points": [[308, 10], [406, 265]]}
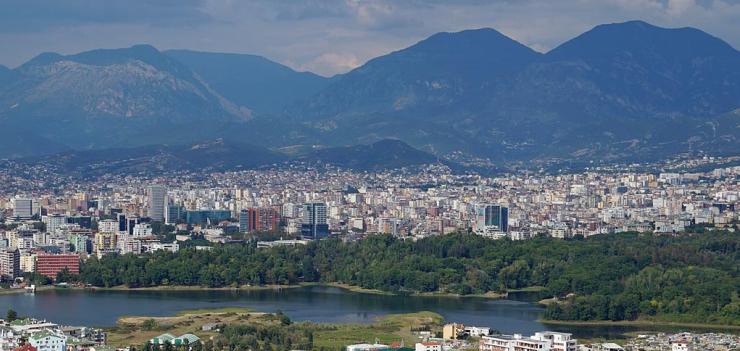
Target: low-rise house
{"points": [[29, 326], [209, 327], [477, 332], [428, 346], [48, 340]]}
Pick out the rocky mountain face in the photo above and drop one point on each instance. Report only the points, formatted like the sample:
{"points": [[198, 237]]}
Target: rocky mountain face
{"points": [[625, 91], [105, 98]]}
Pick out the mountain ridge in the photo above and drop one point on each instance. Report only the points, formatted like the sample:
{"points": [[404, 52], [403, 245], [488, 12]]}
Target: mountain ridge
{"points": [[619, 91], [549, 105], [226, 155]]}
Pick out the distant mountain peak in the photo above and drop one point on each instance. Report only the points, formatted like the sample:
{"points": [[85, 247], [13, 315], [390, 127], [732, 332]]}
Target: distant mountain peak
{"points": [[644, 39], [43, 58], [469, 41]]}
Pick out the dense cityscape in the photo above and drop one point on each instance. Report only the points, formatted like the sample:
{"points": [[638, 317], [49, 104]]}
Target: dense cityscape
{"points": [[126, 216]]}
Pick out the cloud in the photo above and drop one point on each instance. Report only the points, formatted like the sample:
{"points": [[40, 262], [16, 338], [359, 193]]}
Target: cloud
{"points": [[326, 36], [331, 62], [37, 15], [679, 7]]}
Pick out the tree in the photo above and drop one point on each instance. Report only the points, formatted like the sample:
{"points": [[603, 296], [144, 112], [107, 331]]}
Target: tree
{"points": [[149, 324], [65, 276], [11, 315]]}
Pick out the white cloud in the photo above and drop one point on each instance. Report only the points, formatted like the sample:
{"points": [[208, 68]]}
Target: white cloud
{"points": [[329, 63], [679, 7]]}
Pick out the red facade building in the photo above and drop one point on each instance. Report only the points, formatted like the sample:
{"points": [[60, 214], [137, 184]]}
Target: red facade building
{"points": [[263, 219], [50, 265]]}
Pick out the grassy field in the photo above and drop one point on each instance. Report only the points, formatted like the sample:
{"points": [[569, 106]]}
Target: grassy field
{"points": [[136, 330], [389, 329], [133, 331]]}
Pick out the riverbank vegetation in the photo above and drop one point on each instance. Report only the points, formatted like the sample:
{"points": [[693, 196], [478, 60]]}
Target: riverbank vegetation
{"points": [[684, 278], [242, 329]]}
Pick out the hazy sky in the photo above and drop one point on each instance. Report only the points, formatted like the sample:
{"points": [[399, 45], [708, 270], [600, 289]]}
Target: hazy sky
{"points": [[330, 36]]}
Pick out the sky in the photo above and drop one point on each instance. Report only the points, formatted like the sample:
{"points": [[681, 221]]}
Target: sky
{"points": [[330, 36]]}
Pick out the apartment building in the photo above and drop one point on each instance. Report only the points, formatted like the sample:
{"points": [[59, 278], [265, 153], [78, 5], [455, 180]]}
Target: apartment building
{"points": [[541, 341]]}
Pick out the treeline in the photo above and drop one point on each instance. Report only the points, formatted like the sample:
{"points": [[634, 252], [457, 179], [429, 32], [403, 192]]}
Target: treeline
{"points": [[617, 277]]}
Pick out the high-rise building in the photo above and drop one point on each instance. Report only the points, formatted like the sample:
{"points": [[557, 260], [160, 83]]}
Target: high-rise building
{"points": [[53, 222], [262, 219], [23, 208], [314, 224], [10, 263], [79, 243], [104, 243], [108, 226], [157, 202], [244, 220], [142, 230], [82, 221], [174, 214], [490, 218], [28, 262], [122, 222]]}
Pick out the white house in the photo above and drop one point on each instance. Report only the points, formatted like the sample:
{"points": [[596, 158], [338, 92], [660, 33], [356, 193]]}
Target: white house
{"points": [[428, 346], [48, 340]]}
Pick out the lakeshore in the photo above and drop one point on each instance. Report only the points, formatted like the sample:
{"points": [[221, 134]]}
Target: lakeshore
{"points": [[348, 287]]}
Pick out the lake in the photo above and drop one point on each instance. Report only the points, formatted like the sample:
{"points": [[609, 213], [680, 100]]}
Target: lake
{"points": [[320, 304]]}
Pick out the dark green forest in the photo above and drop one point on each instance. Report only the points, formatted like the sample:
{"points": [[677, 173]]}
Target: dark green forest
{"points": [[688, 278]]}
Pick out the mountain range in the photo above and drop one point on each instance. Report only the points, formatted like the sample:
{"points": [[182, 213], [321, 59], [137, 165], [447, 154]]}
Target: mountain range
{"points": [[624, 91]]}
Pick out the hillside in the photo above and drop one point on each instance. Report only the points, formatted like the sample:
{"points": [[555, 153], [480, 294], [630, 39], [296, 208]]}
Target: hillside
{"points": [[384, 154], [619, 91], [251, 81], [225, 155]]}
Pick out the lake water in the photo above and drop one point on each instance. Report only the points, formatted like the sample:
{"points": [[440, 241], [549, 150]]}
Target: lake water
{"points": [[315, 303]]}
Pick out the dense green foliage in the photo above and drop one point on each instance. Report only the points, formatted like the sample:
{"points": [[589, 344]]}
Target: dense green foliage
{"points": [[269, 336], [689, 277]]}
